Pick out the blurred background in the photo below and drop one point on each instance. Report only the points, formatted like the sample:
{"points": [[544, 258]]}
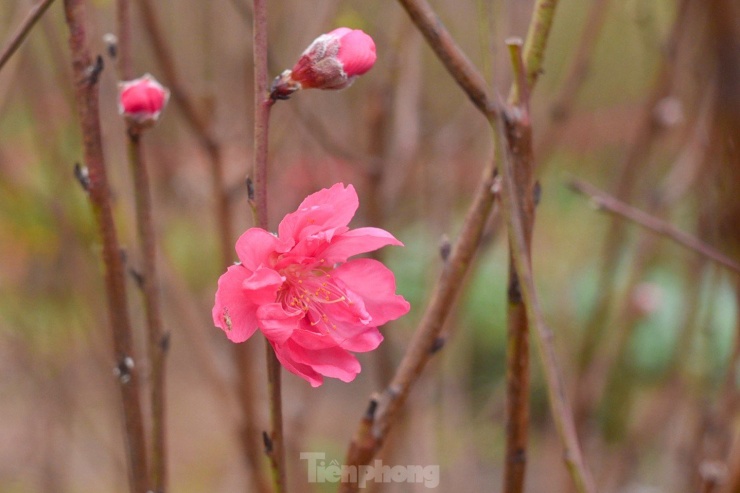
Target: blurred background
{"points": [[641, 99]]}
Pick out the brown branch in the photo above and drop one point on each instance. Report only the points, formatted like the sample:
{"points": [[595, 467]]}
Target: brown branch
{"points": [[274, 441], [449, 53], [17, 39], [86, 91], [373, 428], [618, 208], [519, 141], [515, 122], [158, 341], [562, 108], [249, 434]]}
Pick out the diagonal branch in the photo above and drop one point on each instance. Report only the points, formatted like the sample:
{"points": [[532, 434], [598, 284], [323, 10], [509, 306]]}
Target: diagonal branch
{"points": [[17, 39], [618, 208], [449, 53]]}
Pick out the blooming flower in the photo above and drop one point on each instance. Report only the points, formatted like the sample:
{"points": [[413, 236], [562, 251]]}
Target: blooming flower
{"points": [[300, 290], [333, 61], [142, 100]]}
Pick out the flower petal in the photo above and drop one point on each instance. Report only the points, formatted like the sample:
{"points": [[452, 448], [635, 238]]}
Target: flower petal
{"points": [[356, 241], [256, 247], [376, 285], [333, 362], [262, 286], [326, 209], [304, 371], [277, 324], [233, 312]]}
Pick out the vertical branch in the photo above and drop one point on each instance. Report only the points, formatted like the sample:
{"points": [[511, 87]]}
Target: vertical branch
{"points": [[519, 140], [158, 341], [274, 442], [86, 74], [527, 66], [249, 435], [516, 121], [123, 28]]}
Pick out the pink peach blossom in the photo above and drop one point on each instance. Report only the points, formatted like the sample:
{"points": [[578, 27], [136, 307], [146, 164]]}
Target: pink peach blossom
{"points": [[332, 61], [142, 100], [300, 290]]}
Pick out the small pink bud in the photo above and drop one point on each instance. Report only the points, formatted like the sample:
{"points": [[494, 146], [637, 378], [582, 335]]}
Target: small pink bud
{"points": [[141, 100], [333, 61]]}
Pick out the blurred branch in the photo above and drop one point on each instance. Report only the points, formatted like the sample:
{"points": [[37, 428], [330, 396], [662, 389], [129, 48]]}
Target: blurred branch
{"points": [[158, 341], [635, 160], [610, 204], [516, 124], [123, 43], [202, 129], [17, 39], [374, 427], [86, 74], [562, 108], [274, 441], [449, 53], [517, 326]]}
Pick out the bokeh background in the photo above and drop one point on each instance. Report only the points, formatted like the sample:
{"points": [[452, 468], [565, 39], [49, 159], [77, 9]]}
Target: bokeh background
{"points": [[638, 98]]}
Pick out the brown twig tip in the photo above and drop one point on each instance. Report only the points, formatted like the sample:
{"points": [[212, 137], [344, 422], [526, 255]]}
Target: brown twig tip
{"points": [[445, 247], [250, 189], [93, 71], [165, 341], [438, 344], [372, 407], [111, 45], [268, 442], [137, 276], [123, 369], [82, 174]]}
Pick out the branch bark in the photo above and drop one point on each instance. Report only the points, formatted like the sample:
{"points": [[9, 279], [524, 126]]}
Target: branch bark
{"points": [[86, 74]]}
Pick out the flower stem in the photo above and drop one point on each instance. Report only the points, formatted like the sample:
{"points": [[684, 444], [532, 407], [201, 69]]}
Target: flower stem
{"points": [[86, 91], [158, 341], [262, 105]]}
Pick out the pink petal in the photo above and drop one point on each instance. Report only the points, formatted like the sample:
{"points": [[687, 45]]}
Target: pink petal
{"points": [[376, 285], [277, 324], [367, 340], [339, 32], [326, 209], [356, 241], [232, 311], [262, 286], [304, 371], [256, 247], [356, 52], [332, 362]]}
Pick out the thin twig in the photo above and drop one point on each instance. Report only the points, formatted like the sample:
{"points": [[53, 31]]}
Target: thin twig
{"points": [[614, 206], [515, 120], [517, 353], [249, 433], [373, 429], [158, 341], [17, 39], [562, 108], [449, 53], [123, 41], [275, 443], [86, 90]]}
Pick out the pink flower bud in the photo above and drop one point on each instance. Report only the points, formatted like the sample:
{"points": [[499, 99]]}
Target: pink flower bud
{"points": [[333, 61], [141, 100]]}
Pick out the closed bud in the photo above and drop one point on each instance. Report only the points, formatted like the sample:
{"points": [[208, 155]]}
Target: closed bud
{"points": [[142, 100], [333, 61]]}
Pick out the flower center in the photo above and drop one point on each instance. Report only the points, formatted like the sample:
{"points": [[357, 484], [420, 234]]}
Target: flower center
{"points": [[310, 290]]}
